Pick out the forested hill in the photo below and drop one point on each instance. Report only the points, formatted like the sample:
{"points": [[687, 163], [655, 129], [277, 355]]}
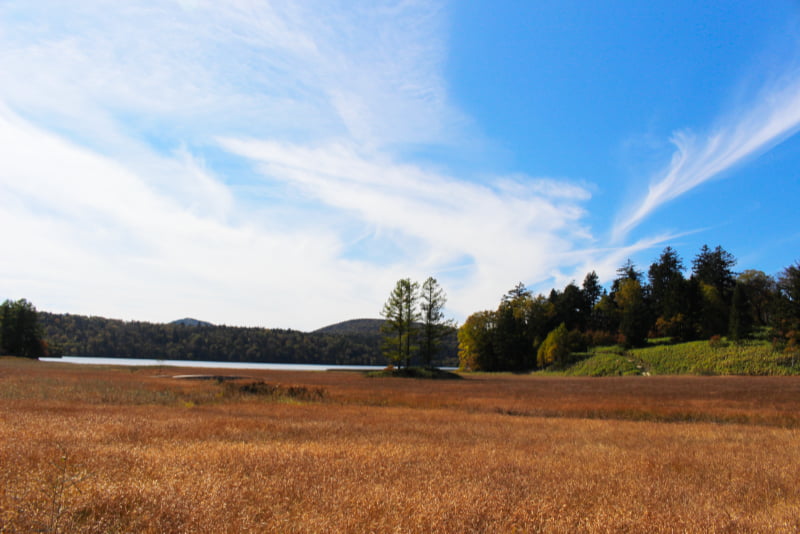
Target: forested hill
{"points": [[188, 321], [77, 335], [368, 327]]}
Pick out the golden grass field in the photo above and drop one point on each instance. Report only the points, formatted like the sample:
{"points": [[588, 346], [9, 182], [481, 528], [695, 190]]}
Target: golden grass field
{"points": [[89, 449]]}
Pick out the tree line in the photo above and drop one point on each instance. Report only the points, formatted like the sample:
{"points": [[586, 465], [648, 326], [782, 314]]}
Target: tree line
{"points": [[529, 332], [78, 335], [525, 332]]}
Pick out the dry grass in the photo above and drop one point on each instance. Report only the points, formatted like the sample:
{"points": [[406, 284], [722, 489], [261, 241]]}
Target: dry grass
{"points": [[113, 450]]}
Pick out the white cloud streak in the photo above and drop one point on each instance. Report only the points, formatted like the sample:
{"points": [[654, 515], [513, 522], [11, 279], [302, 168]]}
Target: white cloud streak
{"points": [[89, 232], [295, 69], [746, 133], [112, 115], [510, 231]]}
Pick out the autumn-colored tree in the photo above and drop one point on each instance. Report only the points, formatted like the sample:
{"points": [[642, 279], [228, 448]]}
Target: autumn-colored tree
{"points": [[628, 271], [476, 336], [555, 348]]}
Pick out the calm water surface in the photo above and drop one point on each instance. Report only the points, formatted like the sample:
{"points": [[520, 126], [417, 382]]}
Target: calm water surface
{"points": [[209, 365]]}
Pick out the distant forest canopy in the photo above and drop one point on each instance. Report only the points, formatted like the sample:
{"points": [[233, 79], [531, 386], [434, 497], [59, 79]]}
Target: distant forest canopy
{"points": [[527, 332], [355, 342]]}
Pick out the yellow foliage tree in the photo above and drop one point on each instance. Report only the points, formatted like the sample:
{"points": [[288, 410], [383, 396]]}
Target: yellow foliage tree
{"points": [[555, 348]]}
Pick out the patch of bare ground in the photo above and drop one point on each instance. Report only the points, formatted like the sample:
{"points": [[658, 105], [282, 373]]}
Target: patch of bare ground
{"points": [[394, 455]]}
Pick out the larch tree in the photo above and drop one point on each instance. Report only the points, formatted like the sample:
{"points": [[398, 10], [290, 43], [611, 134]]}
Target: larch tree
{"points": [[628, 271], [434, 326], [399, 329]]}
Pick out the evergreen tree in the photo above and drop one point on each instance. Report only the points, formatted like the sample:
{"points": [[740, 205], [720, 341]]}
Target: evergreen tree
{"points": [[434, 326], [513, 342], [634, 323], [401, 315], [739, 323], [605, 315], [715, 268], [760, 289], [20, 334], [592, 290], [667, 285], [789, 289], [571, 307], [541, 319], [787, 316], [713, 311], [627, 272]]}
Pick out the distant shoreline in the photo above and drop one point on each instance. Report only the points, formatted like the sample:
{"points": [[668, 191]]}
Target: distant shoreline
{"points": [[149, 362]]}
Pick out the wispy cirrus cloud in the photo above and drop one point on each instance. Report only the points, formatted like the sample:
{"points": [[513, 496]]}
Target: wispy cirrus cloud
{"points": [[91, 236], [193, 69], [768, 119], [129, 131], [516, 228]]}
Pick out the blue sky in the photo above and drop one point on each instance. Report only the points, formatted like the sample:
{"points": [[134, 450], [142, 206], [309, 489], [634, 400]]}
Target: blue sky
{"points": [[283, 163]]}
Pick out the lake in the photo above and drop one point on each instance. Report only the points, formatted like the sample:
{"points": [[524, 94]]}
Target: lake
{"points": [[87, 360]]}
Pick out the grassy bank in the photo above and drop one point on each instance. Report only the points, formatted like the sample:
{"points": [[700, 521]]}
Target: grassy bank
{"points": [[751, 358]]}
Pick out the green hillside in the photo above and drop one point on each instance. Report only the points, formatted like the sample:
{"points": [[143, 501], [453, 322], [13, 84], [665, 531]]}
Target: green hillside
{"points": [[751, 357]]}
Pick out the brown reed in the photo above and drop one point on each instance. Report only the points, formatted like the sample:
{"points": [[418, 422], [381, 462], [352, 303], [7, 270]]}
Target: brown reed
{"points": [[116, 450]]}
